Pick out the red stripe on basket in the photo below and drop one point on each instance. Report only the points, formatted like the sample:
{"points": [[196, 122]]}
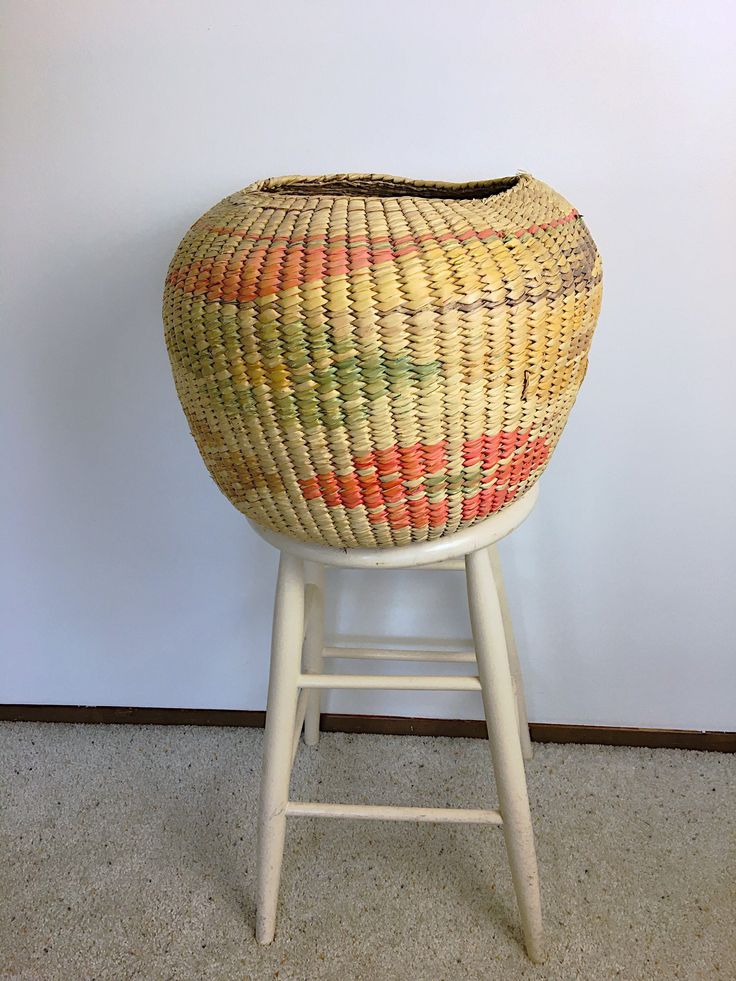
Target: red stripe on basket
{"points": [[379, 479], [279, 263]]}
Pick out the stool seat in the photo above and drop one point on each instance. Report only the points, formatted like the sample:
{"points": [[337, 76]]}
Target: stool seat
{"points": [[298, 675], [487, 532]]}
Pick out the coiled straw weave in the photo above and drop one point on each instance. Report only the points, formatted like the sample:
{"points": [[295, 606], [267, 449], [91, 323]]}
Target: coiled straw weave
{"points": [[367, 361]]}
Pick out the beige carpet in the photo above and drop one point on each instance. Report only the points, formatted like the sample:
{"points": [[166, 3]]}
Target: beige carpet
{"points": [[128, 852]]}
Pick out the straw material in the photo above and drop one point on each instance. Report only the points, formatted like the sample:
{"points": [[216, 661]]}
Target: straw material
{"points": [[367, 361]]}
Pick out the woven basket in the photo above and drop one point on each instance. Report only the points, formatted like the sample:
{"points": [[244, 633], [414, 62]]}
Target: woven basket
{"points": [[367, 361]]}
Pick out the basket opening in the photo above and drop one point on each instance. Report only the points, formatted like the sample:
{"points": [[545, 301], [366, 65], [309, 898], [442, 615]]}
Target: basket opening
{"points": [[369, 186]]}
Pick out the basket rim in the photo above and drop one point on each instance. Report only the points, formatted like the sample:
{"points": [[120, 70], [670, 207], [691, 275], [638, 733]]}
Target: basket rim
{"points": [[366, 187]]}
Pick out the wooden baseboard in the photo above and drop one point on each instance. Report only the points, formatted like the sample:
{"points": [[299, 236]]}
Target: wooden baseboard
{"points": [[542, 732]]}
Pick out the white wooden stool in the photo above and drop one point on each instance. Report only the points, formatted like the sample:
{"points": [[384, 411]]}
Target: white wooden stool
{"points": [[296, 682]]}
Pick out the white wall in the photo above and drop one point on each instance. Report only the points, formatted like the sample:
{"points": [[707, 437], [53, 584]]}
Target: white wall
{"points": [[128, 579]]}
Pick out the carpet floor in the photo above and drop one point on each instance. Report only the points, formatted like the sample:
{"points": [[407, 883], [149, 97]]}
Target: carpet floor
{"points": [[129, 852]]}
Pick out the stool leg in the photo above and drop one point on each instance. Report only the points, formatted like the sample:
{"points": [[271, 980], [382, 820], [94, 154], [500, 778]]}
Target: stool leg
{"points": [[516, 676], [286, 646], [508, 764], [314, 645]]}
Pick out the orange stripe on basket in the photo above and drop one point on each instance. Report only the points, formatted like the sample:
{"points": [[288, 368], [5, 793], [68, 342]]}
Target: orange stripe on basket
{"points": [[379, 479], [278, 263]]}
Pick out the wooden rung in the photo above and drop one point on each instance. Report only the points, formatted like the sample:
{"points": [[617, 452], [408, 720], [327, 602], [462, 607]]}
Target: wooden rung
{"points": [[372, 642], [387, 682], [465, 655], [380, 812]]}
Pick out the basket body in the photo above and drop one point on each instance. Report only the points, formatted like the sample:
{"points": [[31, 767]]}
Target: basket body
{"points": [[367, 361]]}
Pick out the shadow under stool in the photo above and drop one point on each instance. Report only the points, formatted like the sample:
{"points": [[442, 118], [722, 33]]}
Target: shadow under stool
{"points": [[298, 676]]}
